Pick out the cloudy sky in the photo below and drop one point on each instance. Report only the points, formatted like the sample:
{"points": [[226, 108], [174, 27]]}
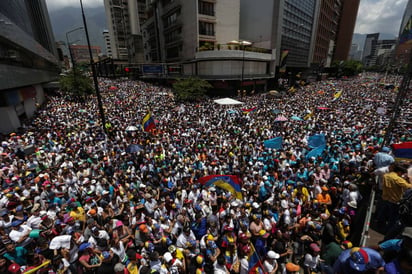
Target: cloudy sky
{"points": [[380, 16], [373, 16]]}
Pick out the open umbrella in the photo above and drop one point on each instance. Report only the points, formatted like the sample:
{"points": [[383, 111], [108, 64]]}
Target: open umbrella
{"points": [[276, 111], [296, 118], [323, 108], [133, 148], [281, 118], [113, 88], [132, 128]]}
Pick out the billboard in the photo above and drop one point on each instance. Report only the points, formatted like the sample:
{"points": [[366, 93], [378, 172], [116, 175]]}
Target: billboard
{"points": [[152, 69]]}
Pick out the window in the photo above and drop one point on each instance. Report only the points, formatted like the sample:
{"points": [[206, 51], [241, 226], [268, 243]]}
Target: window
{"points": [[206, 28], [206, 8], [171, 19], [173, 35]]}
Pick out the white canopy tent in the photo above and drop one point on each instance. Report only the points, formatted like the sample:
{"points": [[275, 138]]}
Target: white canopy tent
{"points": [[228, 101]]}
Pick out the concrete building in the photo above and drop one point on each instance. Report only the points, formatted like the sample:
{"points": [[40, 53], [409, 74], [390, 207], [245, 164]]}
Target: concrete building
{"points": [[124, 19], [197, 37], [326, 32], [346, 26], [355, 53], [81, 53], [369, 49], [404, 48], [106, 37], [385, 51], [27, 60]]}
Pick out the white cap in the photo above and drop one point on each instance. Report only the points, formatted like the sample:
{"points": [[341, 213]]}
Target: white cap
{"points": [[168, 257], [255, 205], [273, 255]]}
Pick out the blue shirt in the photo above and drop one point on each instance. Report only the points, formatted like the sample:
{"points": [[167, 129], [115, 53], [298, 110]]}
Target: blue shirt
{"points": [[391, 245]]}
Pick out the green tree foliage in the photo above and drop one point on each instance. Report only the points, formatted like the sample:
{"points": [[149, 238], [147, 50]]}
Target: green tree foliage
{"points": [[190, 89], [76, 85], [348, 68]]}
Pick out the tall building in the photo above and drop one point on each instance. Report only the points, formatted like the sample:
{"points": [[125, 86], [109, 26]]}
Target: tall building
{"points": [[385, 50], [326, 32], [355, 53], [201, 37], [404, 48], [369, 49], [27, 60], [81, 54], [124, 19], [106, 37], [346, 26]]}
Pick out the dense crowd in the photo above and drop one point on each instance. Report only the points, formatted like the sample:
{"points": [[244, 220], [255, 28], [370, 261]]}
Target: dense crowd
{"points": [[83, 203]]}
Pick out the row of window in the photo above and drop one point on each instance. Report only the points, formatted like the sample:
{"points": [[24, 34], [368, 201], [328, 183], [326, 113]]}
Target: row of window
{"points": [[206, 28], [206, 8]]}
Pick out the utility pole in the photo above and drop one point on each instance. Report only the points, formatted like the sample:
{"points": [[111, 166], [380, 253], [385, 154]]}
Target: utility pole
{"points": [[96, 83]]}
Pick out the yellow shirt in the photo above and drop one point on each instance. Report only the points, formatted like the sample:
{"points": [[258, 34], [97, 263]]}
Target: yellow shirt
{"points": [[179, 255], [132, 268], [305, 194], [78, 216], [394, 187]]}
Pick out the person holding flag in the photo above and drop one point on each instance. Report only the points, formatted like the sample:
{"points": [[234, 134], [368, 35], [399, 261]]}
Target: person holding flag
{"points": [[148, 123]]}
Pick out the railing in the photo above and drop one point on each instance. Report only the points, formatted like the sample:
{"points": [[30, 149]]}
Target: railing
{"points": [[232, 47]]}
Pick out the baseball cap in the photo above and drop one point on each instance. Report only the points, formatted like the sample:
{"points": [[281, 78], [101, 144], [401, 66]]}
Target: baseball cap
{"points": [[14, 268], [16, 222], [168, 257], [84, 246], [314, 247], [273, 255], [359, 259], [143, 228]]}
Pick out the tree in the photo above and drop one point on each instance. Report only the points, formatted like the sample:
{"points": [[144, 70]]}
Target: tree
{"points": [[76, 85], [190, 89], [348, 68]]}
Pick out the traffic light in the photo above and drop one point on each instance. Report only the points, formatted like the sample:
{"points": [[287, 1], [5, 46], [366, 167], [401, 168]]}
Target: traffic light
{"points": [[126, 69]]}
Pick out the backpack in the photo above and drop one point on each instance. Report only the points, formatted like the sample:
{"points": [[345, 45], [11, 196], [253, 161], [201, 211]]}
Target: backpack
{"points": [[405, 208]]}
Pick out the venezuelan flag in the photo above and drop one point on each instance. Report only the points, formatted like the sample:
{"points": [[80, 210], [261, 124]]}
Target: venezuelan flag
{"points": [[248, 110], [402, 151], [148, 122], [337, 95], [255, 264], [229, 183]]}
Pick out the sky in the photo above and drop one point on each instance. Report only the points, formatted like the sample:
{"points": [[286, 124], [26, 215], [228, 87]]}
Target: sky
{"points": [[380, 16], [373, 16]]}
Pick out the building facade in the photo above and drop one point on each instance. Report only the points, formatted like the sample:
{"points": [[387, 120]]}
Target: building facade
{"points": [[385, 51], [201, 38], [404, 48], [81, 54], [27, 60], [326, 32], [369, 49], [124, 19], [106, 37], [346, 26]]}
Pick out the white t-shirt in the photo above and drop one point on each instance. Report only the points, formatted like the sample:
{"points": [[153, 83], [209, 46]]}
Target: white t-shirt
{"points": [[311, 261], [268, 267], [15, 235], [34, 222]]}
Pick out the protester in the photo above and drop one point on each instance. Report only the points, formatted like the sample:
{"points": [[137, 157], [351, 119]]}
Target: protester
{"points": [[133, 201]]}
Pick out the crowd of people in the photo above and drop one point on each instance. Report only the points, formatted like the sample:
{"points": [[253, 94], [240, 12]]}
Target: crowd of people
{"points": [[82, 202]]}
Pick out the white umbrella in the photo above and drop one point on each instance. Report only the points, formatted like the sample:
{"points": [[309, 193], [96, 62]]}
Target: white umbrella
{"points": [[132, 128]]}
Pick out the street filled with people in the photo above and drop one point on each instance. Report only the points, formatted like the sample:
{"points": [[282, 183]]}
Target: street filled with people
{"points": [[77, 200]]}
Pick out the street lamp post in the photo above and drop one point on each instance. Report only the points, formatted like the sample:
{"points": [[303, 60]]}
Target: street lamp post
{"points": [[96, 83], [244, 44], [68, 45]]}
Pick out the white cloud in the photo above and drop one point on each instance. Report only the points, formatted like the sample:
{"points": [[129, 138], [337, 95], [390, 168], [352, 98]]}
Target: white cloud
{"points": [[382, 16], [58, 4]]}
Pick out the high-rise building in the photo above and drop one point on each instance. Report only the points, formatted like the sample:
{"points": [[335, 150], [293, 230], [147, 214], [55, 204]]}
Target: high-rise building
{"points": [[404, 48], [326, 32], [355, 53], [346, 26], [201, 38], [124, 19], [385, 50], [106, 37], [27, 60], [369, 49], [81, 54]]}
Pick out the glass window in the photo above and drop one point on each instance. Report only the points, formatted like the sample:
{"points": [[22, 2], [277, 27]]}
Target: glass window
{"points": [[206, 28], [206, 8]]}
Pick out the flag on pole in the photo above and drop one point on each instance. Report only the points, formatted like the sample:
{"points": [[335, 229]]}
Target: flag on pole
{"points": [[255, 264], [148, 122], [275, 143], [337, 95]]}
